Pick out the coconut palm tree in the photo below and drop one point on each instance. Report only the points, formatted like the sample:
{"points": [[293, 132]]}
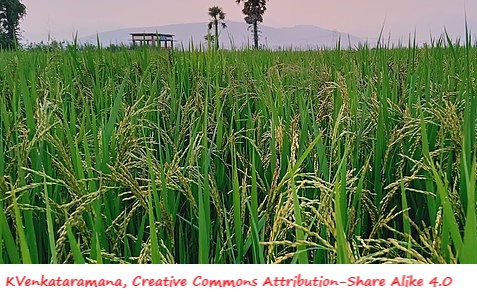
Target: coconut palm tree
{"points": [[253, 11], [217, 16]]}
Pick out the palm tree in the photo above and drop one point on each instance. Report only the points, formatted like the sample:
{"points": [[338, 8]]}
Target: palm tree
{"points": [[253, 11], [217, 16]]}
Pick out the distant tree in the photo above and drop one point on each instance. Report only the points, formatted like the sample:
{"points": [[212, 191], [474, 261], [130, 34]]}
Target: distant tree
{"points": [[11, 12], [209, 38], [253, 11], [217, 16]]}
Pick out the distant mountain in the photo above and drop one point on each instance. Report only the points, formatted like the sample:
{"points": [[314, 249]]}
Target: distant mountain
{"points": [[238, 35]]}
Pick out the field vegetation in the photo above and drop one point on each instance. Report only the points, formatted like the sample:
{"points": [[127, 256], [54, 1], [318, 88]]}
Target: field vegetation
{"points": [[247, 156]]}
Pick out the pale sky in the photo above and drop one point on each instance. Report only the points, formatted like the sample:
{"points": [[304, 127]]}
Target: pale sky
{"points": [[62, 18]]}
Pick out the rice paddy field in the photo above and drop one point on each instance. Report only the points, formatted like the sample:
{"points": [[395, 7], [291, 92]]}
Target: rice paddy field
{"points": [[232, 157]]}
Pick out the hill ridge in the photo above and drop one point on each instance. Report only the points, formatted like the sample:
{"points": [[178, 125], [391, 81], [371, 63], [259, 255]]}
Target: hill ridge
{"points": [[236, 35]]}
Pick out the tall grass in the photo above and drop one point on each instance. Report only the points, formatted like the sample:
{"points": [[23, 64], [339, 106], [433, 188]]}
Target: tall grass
{"points": [[153, 156]]}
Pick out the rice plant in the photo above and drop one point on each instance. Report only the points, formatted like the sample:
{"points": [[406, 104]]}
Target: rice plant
{"points": [[245, 156]]}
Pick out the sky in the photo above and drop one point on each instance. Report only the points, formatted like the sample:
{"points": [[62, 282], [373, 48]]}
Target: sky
{"points": [[61, 19]]}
